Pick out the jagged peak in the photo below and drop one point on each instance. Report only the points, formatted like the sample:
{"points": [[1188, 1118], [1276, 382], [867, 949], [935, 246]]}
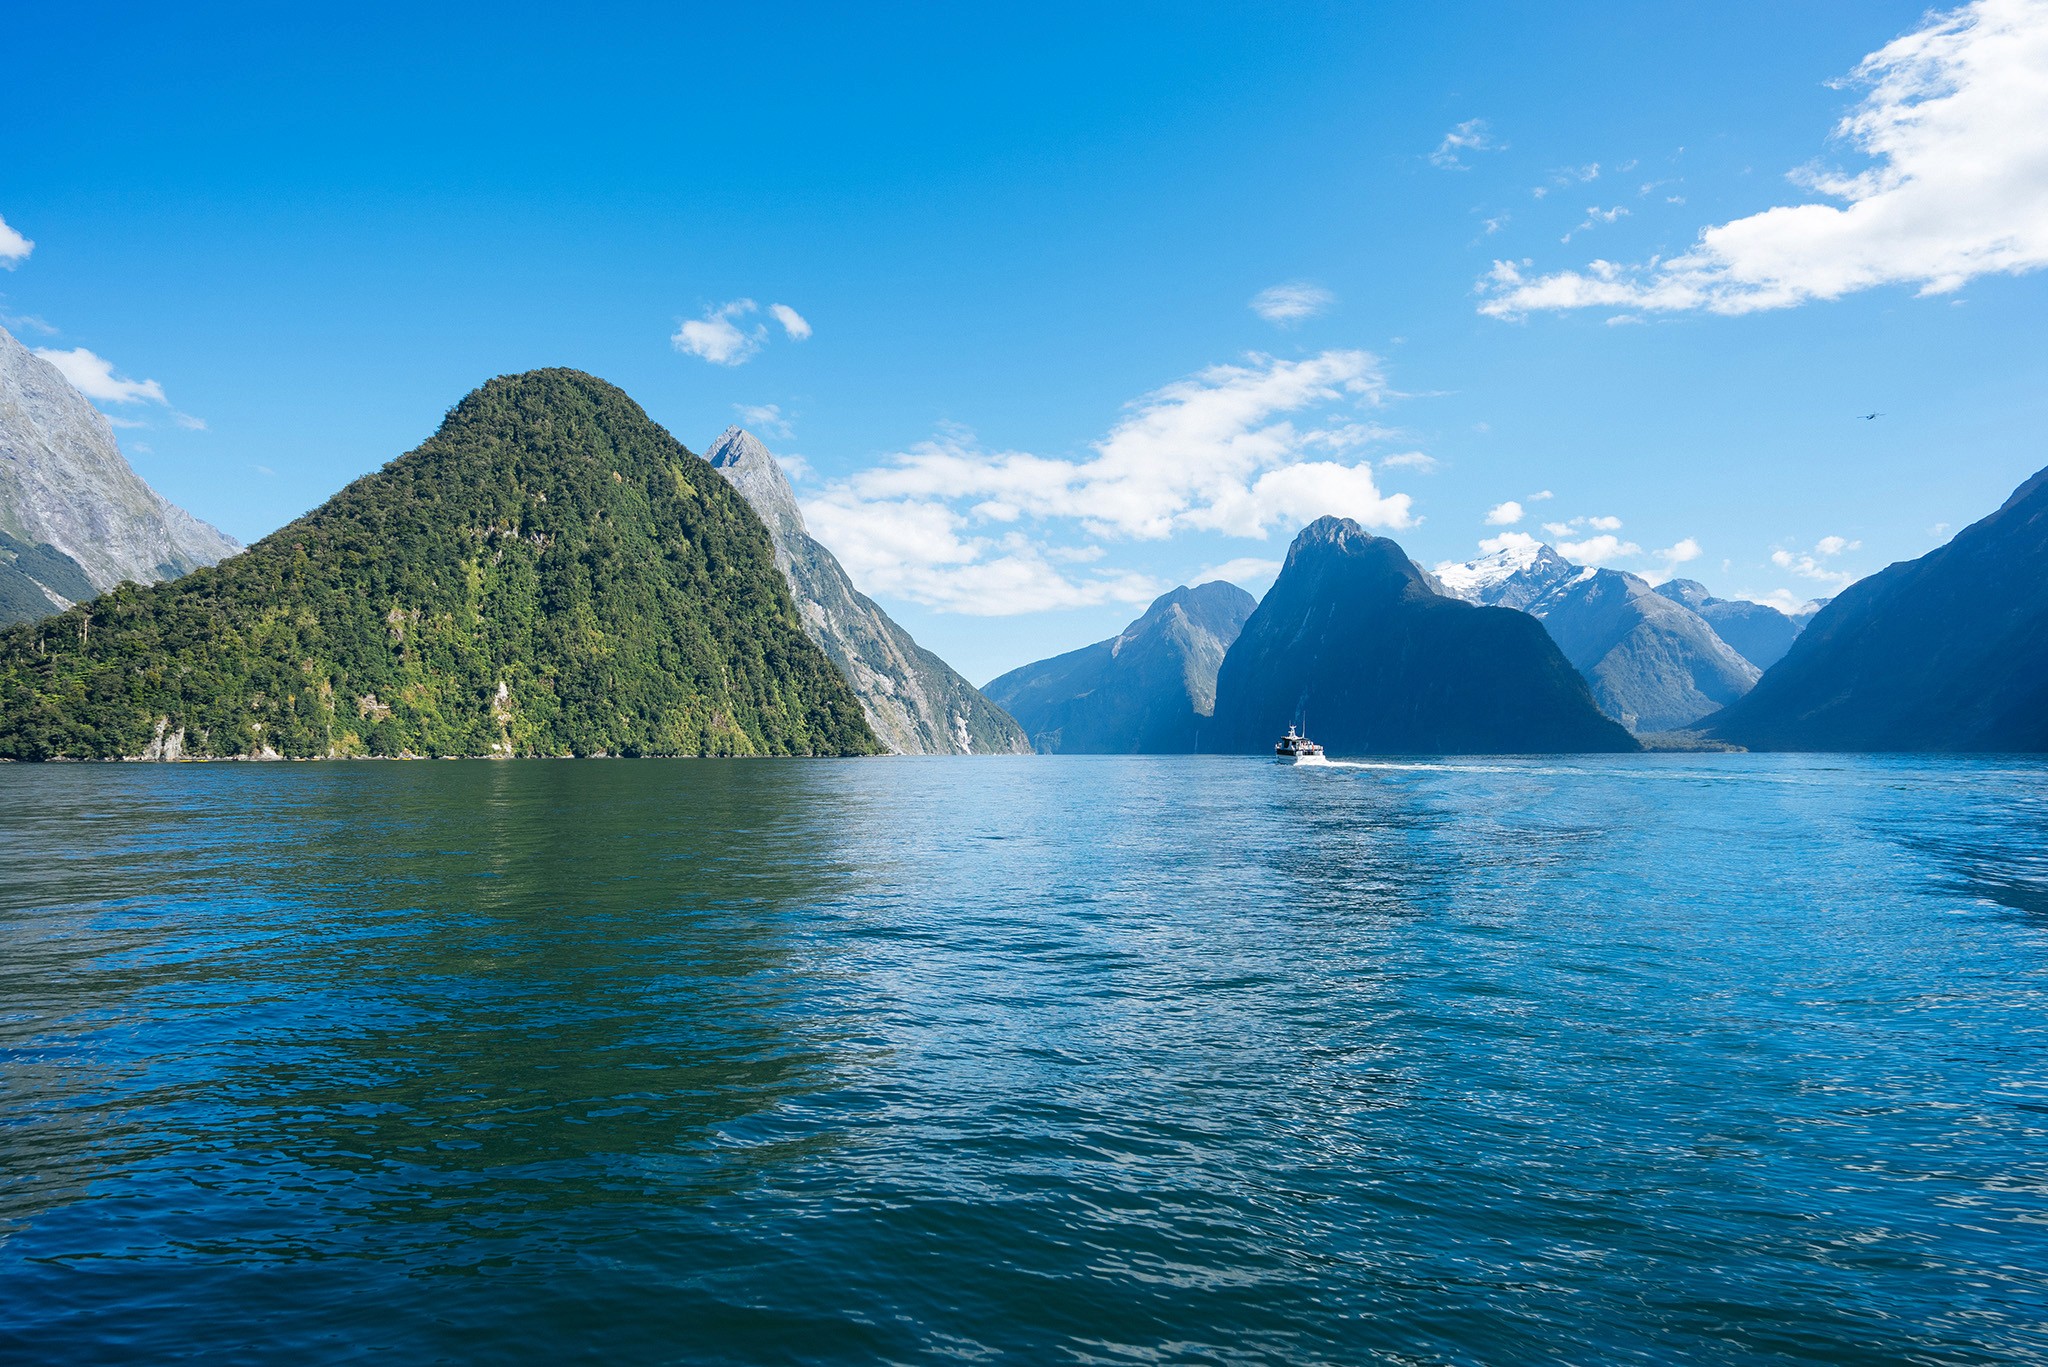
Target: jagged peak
{"points": [[752, 469]]}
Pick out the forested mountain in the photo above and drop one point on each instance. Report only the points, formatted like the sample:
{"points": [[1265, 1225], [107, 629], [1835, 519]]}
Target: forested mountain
{"points": [[1358, 645], [1947, 652], [915, 701], [1147, 690], [549, 574], [1652, 662], [68, 495]]}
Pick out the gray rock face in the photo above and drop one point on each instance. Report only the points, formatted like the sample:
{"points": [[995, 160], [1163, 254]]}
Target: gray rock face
{"points": [[64, 484], [1146, 691], [1653, 663], [1758, 632], [915, 702]]}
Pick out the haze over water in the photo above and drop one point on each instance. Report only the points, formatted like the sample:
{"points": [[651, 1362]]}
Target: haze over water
{"points": [[1721, 1058]]}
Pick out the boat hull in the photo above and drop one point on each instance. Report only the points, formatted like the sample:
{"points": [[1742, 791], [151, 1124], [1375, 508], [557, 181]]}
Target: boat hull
{"points": [[1300, 759]]}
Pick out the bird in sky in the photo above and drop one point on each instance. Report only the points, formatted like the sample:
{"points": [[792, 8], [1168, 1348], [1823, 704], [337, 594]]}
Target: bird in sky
{"points": [[1868, 417]]}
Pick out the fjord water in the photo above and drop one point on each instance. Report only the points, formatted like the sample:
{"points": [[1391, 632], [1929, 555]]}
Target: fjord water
{"points": [[1718, 1058]]}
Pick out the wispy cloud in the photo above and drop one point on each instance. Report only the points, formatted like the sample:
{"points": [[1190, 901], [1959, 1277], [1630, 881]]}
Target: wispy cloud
{"points": [[14, 248], [720, 337], [1419, 462], [1955, 122], [1247, 572], [1290, 304], [1595, 217], [1813, 564], [1222, 451], [93, 376], [1469, 136], [765, 419], [793, 323]]}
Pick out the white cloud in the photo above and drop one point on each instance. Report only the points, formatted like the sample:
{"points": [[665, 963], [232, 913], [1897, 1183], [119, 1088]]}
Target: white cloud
{"points": [[1469, 136], [1812, 564], [1504, 514], [14, 248], [1409, 460], [1223, 451], [1247, 572], [1604, 524], [1672, 557], [717, 338], [764, 419], [94, 377], [1540, 496], [1519, 541], [188, 422], [1287, 305], [1956, 126], [1598, 550], [720, 338], [1596, 216], [918, 549]]}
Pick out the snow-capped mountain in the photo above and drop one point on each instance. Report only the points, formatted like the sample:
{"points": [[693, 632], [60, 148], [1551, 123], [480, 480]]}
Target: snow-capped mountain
{"points": [[1653, 663]]}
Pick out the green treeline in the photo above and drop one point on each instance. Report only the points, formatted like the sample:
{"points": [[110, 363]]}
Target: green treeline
{"points": [[550, 574]]}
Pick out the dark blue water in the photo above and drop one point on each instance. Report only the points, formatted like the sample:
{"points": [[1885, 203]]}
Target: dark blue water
{"points": [[1716, 1059]]}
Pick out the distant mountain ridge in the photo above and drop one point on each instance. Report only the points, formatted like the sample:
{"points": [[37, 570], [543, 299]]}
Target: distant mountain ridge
{"points": [[64, 485], [916, 703], [1358, 643], [1758, 632], [1948, 652], [1147, 690], [1652, 662], [549, 574]]}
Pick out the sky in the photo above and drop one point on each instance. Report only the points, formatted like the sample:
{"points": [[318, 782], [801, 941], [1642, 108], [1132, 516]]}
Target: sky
{"points": [[1049, 310]]}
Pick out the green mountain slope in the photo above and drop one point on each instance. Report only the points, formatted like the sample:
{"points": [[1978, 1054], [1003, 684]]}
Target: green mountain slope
{"points": [[550, 574]]}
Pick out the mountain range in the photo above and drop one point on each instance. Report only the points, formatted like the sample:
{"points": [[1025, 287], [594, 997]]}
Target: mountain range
{"points": [[1758, 632], [1946, 652], [1652, 661], [75, 519], [1361, 647], [549, 574], [913, 700], [1148, 690]]}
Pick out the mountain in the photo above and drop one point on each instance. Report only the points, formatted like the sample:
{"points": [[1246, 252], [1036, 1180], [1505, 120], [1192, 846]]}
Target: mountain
{"points": [[65, 486], [549, 574], [1144, 692], [36, 581], [1358, 645], [914, 701], [1947, 652], [1758, 632], [1652, 662]]}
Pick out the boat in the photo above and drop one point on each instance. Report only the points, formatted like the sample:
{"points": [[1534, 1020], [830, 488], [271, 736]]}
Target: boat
{"points": [[1295, 748]]}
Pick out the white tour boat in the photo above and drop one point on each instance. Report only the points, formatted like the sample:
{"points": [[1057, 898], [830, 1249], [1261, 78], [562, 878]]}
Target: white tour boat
{"points": [[1295, 748]]}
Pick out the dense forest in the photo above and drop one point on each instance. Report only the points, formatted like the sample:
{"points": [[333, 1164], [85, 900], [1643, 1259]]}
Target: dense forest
{"points": [[550, 574]]}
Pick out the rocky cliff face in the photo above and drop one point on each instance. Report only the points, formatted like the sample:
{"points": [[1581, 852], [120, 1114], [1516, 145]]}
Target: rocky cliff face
{"points": [[1356, 643], [1148, 690], [1653, 663], [914, 701], [64, 484], [1947, 652]]}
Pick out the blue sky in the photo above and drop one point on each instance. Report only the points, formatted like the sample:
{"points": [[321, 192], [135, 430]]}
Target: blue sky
{"points": [[1026, 248]]}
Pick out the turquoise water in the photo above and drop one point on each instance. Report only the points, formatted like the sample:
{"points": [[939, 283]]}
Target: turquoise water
{"points": [[1705, 1058]]}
